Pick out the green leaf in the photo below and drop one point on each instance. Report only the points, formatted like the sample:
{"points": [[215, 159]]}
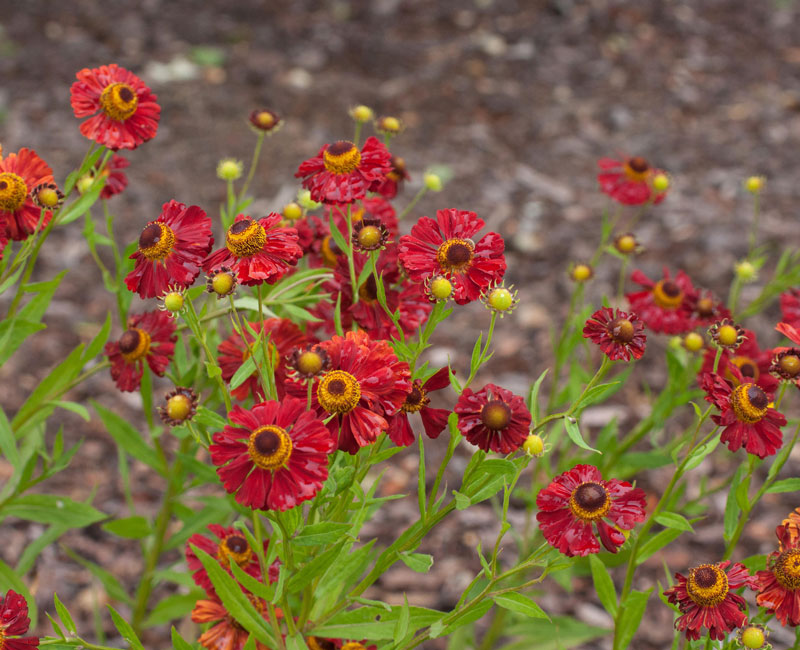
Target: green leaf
{"points": [[701, 452], [533, 397], [462, 500], [243, 373], [786, 485], [110, 583], [574, 433], [419, 562], [603, 585], [563, 632], [129, 527], [87, 199], [375, 623], [171, 608], [631, 612], [8, 443], [13, 333], [732, 510], [95, 347], [516, 602], [674, 520], [125, 629], [65, 616], [656, 543], [129, 438], [210, 419], [213, 370], [80, 409], [322, 533], [178, 642], [52, 509]]}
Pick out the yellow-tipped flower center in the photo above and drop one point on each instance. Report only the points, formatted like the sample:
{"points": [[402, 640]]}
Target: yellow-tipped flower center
{"points": [[309, 363], [626, 244], [179, 407], [368, 291], [270, 447], [246, 238], [330, 251], [119, 101], [338, 392], [589, 501], [667, 294], [13, 191], [660, 182], [173, 301], [292, 211], [341, 157], [134, 344], [455, 255], [416, 400], [317, 643], [389, 124], [496, 415], [265, 119], [749, 403], [353, 645], [707, 585], [727, 335], [156, 241], [637, 168], [234, 548], [621, 330], [48, 197], [790, 364], [369, 238], [787, 569], [361, 113], [746, 366]]}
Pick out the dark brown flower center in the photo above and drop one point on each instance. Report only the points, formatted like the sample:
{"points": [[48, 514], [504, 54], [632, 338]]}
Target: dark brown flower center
{"points": [[416, 400], [621, 330], [707, 585], [746, 366], [496, 415], [590, 501], [269, 447], [118, 101], [638, 164], [368, 291], [134, 344], [667, 294], [705, 307], [787, 569], [338, 392], [341, 157], [455, 255], [749, 403], [156, 241], [245, 238], [236, 544]]}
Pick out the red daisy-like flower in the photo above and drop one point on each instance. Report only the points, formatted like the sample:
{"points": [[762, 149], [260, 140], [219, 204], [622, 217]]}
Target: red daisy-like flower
{"points": [[150, 337], [19, 174], [493, 419], [227, 634], [116, 179], [746, 415], [619, 334], [122, 111], [283, 336], [629, 181], [665, 306], [779, 586], [580, 498], [230, 546], [789, 331], [387, 187], [365, 385], [445, 247], [706, 599], [14, 621], [257, 251], [753, 363], [417, 400], [340, 173], [790, 307], [171, 250], [276, 458]]}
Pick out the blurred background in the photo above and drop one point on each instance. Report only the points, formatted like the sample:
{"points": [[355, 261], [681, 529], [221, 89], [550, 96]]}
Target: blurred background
{"points": [[518, 99]]}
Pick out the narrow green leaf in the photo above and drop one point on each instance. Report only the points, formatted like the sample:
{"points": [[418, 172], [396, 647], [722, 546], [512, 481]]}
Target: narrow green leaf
{"points": [[52, 509], [243, 373], [732, 510], [375, 623], [701, 452], [631, 612], [110, 583], [574, 433], [80, 409], [171, 608], [213, 370], [129, 438], [322, 533], [419, 562], [516, 602], [178, 642], [8, 443], [64, 615], [125, 629], [533, 397], [674, 520], [786, 485], [603, 585], [462, 500], [656, 543], [129, 527]]}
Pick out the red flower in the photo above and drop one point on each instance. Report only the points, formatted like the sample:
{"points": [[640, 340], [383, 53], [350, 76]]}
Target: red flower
{"points": [[227, 634], [705, 599], [579, 498], [790, 307], [789, 331], [493, 418], [150, 337], [746, 416], [445, 247], [171, 250], [122, 111], [417, 400], [387, 186], [230, 546], [365, 385], [666, 306], [707, 310], [283, 336], [620, 335], [753, 363], [116, 180], [3, 242], [276, 458], [320, 643], [779, 586], [629, 181], [19, 174], [257, 251], [340, 173], [13, 622]]}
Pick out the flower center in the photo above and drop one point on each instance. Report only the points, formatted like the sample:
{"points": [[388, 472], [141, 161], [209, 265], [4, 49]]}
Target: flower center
{"points": [[368, 291], [353, 645], [416, 400], [134, 344], [787, 569], [338, 392], [13, 191], [707, 585], [496, 415], [179, 407], [369, 238], [316, 643], [667, 294], [270, 447], [265, 119], [621, 330], [398, 169], [636, 168], [245, 238], [746, 366], [330, 251], [234, 547], [790, 364], [589, 501], [119, 101], [749, 403], [341, 157], [705, 307], [309, 363], [156, 241], [727, 335], [455, 255]]}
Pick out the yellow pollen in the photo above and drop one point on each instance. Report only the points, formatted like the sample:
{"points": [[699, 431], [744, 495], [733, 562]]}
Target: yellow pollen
{"points": [[338, 392], [246, 238], [727, 335], [134, 344], [637, 169], [353, 645], [13, 191], [179, 407], [119, 101], [369, 238], [707, 585], [749, 403], [156, 241], [589, 501], [667, 294], [455, 255], [790, 364], [270, 447], [441, 288], [309, 363], [341, 157], [626, 244], [234, 547], [787, 569], [416, 400]]}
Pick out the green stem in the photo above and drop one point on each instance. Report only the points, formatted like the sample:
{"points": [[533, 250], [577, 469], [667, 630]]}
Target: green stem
{"points": [[269, 371], [484, 351], [350, 263], [357, 134], [622, 275], [417, 197], [754, 226], [194, 325], [253, 165], [577, 294]]}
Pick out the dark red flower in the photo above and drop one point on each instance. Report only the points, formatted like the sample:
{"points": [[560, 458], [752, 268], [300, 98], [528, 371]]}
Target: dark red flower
{"points": [[746, 415], [171, 250], [666, 306], [706, 599], [122, 111], [116, 180], [19, 174], [753, 363], [707, 310], [283, 337], [13, 622], [276, 458], [493, 418], [321, 643], [620, 335], [433, 420], [779, 586], [790, 307], [445, 247], [230, 546], [150, 337], [789, 331], [257, 251], [227, 634], [579, 498], [387, 186], [366, 384], [629, 181], [340, 173]]}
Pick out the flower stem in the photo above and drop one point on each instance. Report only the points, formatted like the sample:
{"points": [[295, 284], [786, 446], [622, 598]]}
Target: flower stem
{"points": [[252, 171], [417, 197]]}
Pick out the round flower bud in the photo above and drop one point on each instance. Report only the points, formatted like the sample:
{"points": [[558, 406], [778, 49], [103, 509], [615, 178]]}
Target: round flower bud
{"points": [[180, 406], [304, 199], [746, 271], [292, 211], [626, 243], [84, 183], [389, 124], [432, 182], [753, 637], [660, 183], [173, 301], [693, 342], [500, 300], [727, 334], [440, 288], [229, 169], [533, 445], [361, 113], [581, 272], [755, 184], [221, 282], [47, 196]]}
